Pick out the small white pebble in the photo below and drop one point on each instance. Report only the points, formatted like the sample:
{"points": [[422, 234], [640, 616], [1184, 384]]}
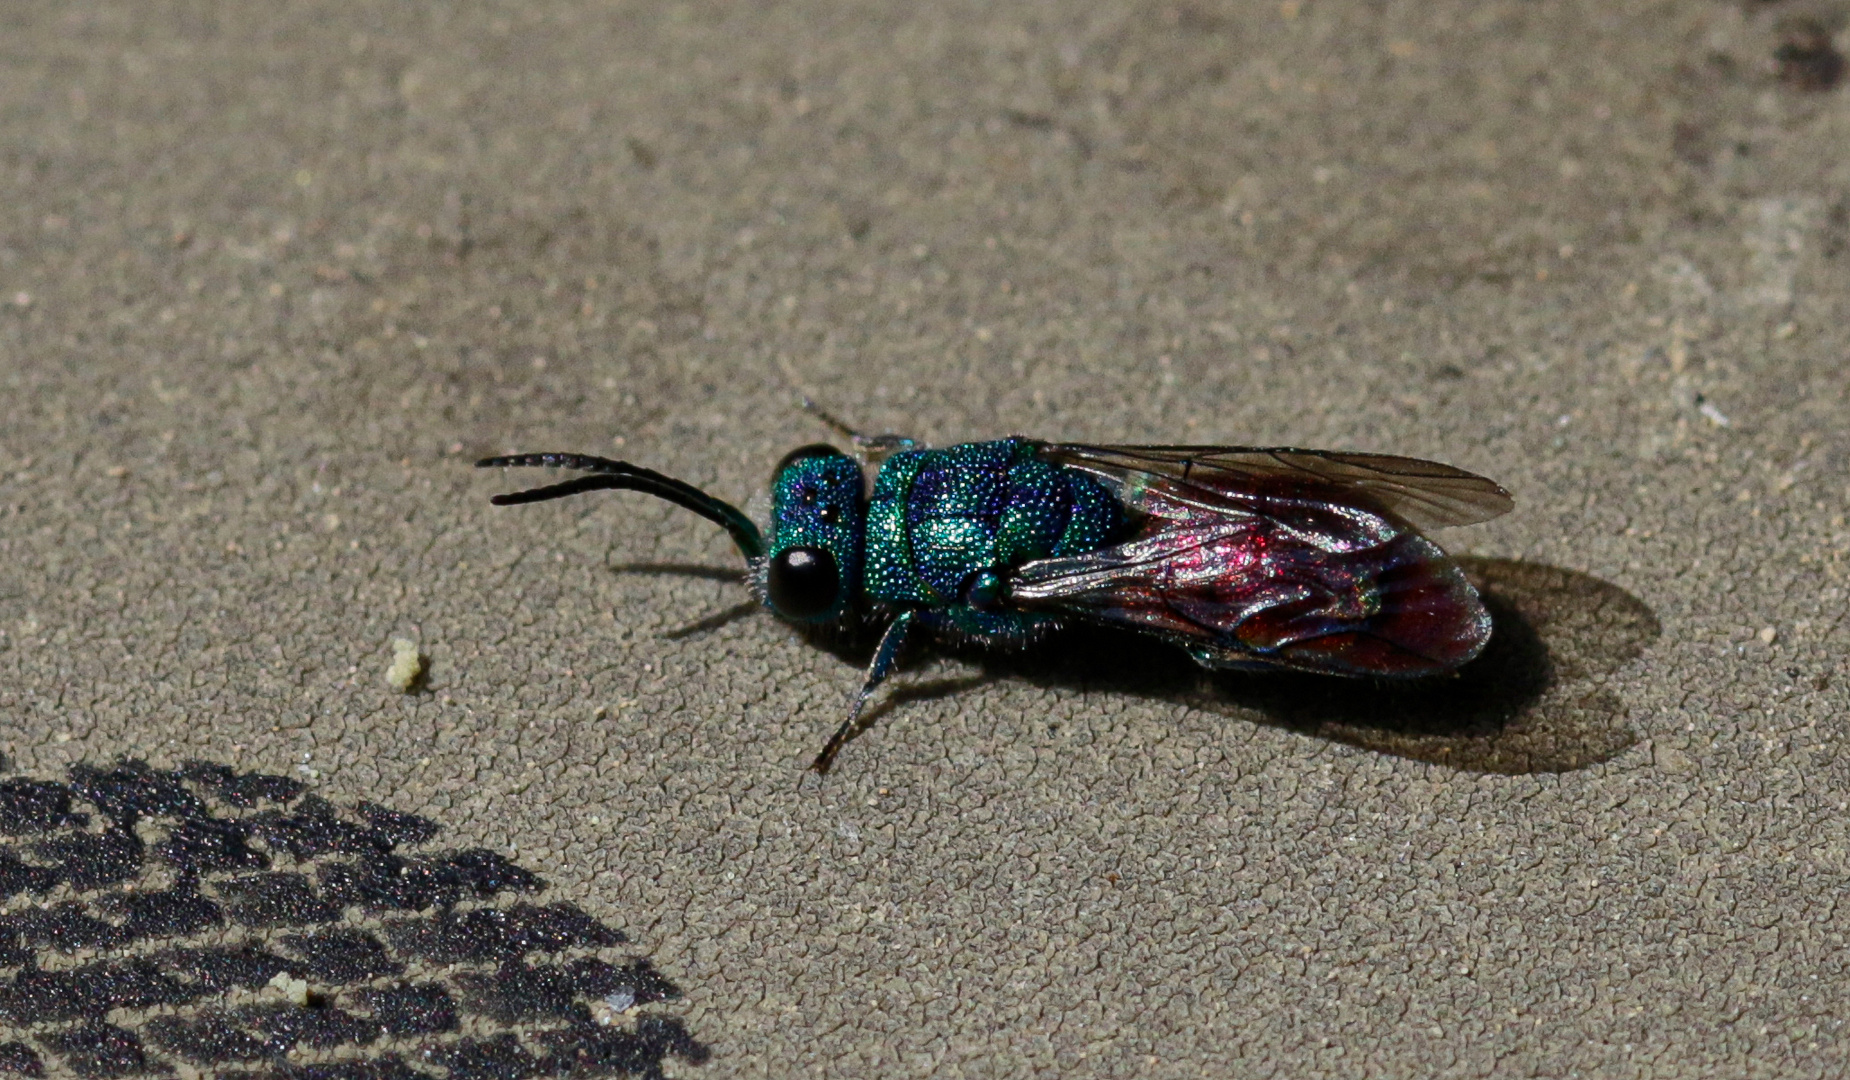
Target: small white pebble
{"points": [[1768, 635], [611, 1009], [407, 665], [296, 990]]}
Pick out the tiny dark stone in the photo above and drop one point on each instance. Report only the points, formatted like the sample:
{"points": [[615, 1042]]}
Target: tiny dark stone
{"points": [[391, 882], [499, 934], [209, 1039], [133, 790], [17, 877], [316, 829], [338, 957], [20, 1059], [499, 1058], [1807, 60], [92, 860], [209, 844], [242, 790], [180, 910], [283, 1026], [411, 1009], [397, 827], [265, 900], [218, 968], [99, 1051], [34, 806]]}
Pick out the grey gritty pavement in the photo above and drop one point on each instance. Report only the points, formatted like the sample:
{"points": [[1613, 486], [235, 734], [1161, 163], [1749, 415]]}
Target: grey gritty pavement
{"points": [[272, 277]]}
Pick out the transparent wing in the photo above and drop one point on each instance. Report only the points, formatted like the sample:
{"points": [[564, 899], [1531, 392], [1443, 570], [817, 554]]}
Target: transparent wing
{"points": [[1152, 479], [1329, 595]]}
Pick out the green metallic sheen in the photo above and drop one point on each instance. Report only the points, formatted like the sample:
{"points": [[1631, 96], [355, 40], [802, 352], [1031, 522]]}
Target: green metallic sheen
{"points": [[892, 576], [940, 528], [816, 502], [942, 523], [1275, 557]]}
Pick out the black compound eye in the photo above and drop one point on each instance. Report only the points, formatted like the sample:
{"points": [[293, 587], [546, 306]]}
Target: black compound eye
{"points": [[803, 582]]}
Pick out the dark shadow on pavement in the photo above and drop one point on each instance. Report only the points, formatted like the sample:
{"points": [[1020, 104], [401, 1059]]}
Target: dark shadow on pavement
{"points": [[697, 570], [714, 621], [1533, 702]]}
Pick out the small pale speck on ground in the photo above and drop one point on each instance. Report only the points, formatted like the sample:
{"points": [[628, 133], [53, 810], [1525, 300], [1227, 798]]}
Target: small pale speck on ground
{"points": [[407, 665], [1768, 635], [296, 990], [611, 1008]]}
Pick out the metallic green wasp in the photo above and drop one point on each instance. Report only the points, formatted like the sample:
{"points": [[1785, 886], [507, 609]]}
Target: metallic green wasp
{"points": [[1246, 557]]}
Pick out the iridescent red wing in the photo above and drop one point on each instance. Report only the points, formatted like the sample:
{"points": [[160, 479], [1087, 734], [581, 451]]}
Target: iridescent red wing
{"points": [[1255, 557]]}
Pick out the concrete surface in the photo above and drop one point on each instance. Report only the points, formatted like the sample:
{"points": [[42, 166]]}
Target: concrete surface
{"points": [[272, 276]]}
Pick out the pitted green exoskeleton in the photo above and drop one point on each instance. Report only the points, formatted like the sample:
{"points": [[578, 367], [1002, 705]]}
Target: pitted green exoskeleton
{"points": [[1245, 557], [927, 549]]}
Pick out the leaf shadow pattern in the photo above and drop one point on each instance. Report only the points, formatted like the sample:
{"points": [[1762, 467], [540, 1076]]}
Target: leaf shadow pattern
{"points": [[1533, 702]]}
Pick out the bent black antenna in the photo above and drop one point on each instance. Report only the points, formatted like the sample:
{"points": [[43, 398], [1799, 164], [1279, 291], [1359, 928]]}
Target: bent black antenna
{"points": [[622, 476]]}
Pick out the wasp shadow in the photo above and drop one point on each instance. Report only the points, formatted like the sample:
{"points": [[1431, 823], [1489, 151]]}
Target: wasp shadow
{"points": [[704, 623], [680, 569], [1532, 702]]}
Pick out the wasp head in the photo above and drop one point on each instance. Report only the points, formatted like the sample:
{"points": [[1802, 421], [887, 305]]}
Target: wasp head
{"points": [[811, 572]]}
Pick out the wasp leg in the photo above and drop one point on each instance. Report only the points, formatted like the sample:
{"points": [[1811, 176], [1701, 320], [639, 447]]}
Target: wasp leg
{"points": [[871, 448], [885, 657]]}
